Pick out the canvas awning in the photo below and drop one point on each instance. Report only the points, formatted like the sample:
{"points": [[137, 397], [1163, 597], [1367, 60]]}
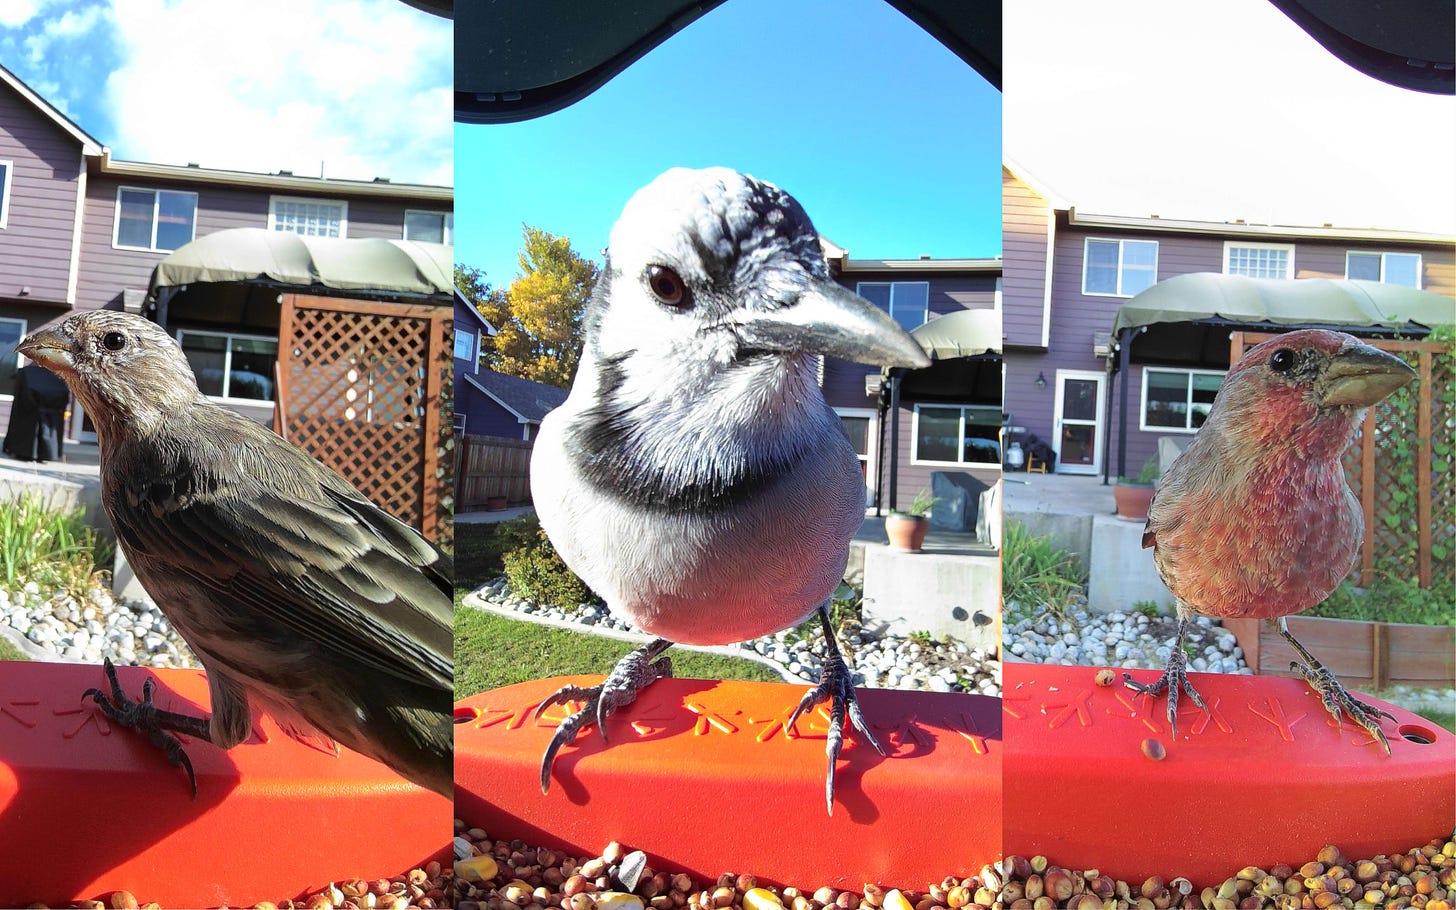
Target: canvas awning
{"points": [[256, 254], [1329, 302], [962, 334]]}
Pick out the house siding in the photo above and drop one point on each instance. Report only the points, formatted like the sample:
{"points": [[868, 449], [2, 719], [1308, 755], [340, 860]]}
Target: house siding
{"points": [[35, 245], [483, 415], [1025, 225]]}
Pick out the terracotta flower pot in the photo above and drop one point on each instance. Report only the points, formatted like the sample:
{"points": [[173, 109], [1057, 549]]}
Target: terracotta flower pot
{"points": [[906, 532], [1132, 501]]}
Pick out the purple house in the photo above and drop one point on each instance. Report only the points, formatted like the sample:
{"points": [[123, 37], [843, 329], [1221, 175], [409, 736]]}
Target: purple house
{"points": [[1067, 273], [81, 230], [488, 403], [945, 419]]}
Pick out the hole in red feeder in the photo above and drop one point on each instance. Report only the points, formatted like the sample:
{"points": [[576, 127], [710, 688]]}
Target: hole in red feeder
{"points": [[1422, 735], [464, 715]]}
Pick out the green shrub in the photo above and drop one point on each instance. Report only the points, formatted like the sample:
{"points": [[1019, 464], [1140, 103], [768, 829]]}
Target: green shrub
{"points": [[49, 546], [1036, 575], [1391, 600], [536, 572]]}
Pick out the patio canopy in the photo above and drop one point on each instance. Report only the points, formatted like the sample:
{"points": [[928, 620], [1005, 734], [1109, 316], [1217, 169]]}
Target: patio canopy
{"points": [[1327, 302], [256, 254], [966, 333]]}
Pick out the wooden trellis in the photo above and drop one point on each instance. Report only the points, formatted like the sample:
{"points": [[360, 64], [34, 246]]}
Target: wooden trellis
{"points": [[1399, 532], [359, 389]]}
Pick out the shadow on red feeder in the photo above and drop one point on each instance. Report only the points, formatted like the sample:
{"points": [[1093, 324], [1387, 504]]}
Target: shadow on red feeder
{"points": [[1266, 777], [87, 808], [704, 777]]}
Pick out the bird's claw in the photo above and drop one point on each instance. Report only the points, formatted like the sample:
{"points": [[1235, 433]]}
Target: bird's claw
{"points": [[145, 717], [632, 673], [1174, 679], [1338, 700], [836, 685]]}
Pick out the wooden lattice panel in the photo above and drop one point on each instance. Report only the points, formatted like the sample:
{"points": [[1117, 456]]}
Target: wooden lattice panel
{"points": [[361, 386]]}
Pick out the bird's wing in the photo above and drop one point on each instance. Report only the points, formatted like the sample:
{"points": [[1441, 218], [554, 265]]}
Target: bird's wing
{"points": [[274, 534], [1150, 536]]}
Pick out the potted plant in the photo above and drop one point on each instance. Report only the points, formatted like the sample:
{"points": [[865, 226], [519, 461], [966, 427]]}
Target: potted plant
{"points": [[906, 528], [1132, 494]]}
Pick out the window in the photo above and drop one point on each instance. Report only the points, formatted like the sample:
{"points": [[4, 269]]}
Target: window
{"points": [[6, 169], [11, 331], [908, 302], [429, 227], [1119, 268], [1177, 400], [160, 220], [231, 366], [459, 423], [310, 217], [1258, 260], [465, 347], [1389, 268], [957, 434]]}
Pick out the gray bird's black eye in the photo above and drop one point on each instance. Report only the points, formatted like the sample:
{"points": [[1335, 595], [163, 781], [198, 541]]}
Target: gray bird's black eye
{"points": [[113, 341], [667, 286], [1282, 360]]}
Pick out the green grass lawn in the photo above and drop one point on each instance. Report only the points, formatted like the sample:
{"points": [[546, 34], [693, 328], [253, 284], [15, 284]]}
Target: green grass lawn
{"points": [[478, 551], [491, 651], [1446, 719], [10, 652]]}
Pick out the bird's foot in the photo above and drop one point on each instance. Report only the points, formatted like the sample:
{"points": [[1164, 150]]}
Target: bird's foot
{"points": [[1174, 680], [1337, 700], [835, 685], [145, 717], [632, 673]]}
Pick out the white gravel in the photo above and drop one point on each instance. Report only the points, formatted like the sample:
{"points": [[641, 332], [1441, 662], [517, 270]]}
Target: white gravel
{"points": [[86, 628], [1131, 640], [878, 658]]}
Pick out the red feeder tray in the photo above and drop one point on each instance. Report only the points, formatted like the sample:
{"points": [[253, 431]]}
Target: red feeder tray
{"points": [[87, 808], [704, 778], [1265, 778]]}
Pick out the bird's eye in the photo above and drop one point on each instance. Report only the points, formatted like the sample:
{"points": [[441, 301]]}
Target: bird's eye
{"points": [[667, 286], [113, 341], [1282, 360]]}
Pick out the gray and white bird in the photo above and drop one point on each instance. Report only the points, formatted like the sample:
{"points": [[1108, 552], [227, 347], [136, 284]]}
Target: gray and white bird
{"points": [[299, 595], [695, 478]]}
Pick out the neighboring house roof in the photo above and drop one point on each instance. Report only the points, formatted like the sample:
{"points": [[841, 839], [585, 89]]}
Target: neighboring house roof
{"points": [[528, 401], [283, 180], [466, 306], [252, 254], [923, 264], [89, 145]]}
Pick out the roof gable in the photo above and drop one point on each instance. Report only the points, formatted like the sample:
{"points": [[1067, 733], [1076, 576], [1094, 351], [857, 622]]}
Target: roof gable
{"points": [[528, 401], [89, 145]]}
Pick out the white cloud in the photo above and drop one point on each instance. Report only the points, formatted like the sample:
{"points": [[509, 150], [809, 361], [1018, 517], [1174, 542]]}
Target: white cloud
{"points": [[16, 13], [1218, 111], [362, 86], [73, 24]]}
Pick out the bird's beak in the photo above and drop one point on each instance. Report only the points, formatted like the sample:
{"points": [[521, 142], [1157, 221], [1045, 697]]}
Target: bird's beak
{"points": [[828, 319], [1360, 375], [50, 347]]}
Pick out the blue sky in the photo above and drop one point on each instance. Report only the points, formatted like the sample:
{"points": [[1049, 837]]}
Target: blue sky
{"points": [[890, 142], [359, 88]]}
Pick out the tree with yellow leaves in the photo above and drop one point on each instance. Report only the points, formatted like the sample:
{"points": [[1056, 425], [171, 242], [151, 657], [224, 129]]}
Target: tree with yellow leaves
{"points": [[540, 334]]}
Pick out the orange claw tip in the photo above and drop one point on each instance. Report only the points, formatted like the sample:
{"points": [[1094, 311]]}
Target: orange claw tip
{"points": [[701, 749], [304, 809], [1074, 758]]}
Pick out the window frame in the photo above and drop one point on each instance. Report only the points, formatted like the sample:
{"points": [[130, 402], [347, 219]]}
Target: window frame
{"points": [[1121, 243], [1289, 248], [342, 204], [116, 243], [20, 359], [1143, 424], [228, 364], [7, 177], [915, 458], [447, 229], [890, 309], [474, 336], [1420, 265]]}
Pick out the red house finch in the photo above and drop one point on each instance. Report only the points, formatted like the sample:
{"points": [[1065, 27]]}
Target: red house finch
{"points": [[299, 596], [1255, 517]]}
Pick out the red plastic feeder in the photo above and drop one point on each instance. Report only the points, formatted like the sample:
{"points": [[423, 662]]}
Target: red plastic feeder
{"points": [[87, 808], [704, 777], [1266, 777]]}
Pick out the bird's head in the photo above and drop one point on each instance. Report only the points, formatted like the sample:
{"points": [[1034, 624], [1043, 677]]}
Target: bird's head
{"points": [[120, 366], [712, 269], [1308, 382]]}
